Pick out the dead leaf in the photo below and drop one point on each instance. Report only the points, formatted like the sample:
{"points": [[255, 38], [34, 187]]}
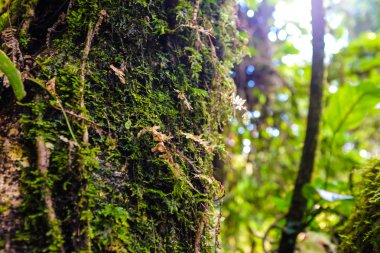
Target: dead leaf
{"points": [[160, 147], [198, 138], [50, 86], [183, 98], [119, 73]]}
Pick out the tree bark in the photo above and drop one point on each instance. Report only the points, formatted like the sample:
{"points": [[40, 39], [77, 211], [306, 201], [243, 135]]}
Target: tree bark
{"points": [[295, 218], [112, 149]]}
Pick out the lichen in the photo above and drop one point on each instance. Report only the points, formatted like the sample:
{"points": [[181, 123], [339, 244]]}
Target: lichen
{"points": [[116, 190]]}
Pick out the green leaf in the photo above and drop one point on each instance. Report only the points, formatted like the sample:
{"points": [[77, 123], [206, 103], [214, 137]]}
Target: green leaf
{"points": [[252, 4], [288, 48], [243, 35], [13, 75], [281, 204], [309, 192], [251, 51], [344, 206], [349, 106], [128, 124], [199, 92]]}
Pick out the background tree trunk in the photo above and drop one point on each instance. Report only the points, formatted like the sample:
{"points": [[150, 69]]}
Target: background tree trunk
{"points": [[295, 222], [112, 149]]}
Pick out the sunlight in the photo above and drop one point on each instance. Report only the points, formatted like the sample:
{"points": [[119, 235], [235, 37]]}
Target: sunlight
{"points": [[293, 23], [333, 88], [297, 11], [290, 18]]}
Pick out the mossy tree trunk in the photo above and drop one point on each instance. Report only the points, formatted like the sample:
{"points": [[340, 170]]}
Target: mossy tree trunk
{"points": [[361, 231], [112, 148]]}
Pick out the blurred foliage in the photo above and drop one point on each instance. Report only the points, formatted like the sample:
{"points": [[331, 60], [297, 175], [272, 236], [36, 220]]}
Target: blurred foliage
{"points": [[264, 154]]}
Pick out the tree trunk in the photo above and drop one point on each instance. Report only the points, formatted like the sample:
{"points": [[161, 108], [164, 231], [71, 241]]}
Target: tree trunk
{"points": [[112, 148], [295, 218]]}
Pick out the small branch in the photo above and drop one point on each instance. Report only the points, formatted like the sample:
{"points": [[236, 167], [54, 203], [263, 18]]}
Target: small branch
{"points": [[30, 14], [272, 226], [90, 36], [201, 226], [93, 123], [180, 154], [213, 50], [85, 138], [195, 12], [217, 229], [68, 123], [217, 79], [10, 40], [59, 21], [71, 149], [50, 87], [43, 156], [199, 29]]}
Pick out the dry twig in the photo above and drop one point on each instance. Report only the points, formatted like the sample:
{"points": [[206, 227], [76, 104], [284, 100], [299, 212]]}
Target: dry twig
{"points": [[272, 226], [119, 73], [199, 29], [195, 12], [43, 156], [199, 139], [59, 21], [31, 13], [217, 229], [10, 41], [198, 236], [85, 138], [90, 36], [182, 97]]}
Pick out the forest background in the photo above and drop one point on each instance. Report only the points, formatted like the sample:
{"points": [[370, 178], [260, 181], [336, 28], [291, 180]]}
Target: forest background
{"points": [[266, 149]]}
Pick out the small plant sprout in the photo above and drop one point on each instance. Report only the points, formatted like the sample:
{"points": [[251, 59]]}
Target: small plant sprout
{"points": [[13, 75]]}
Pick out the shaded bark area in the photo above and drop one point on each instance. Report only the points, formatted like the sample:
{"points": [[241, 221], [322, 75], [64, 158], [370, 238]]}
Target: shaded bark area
{"points": [[11, 156], [295, 222]]}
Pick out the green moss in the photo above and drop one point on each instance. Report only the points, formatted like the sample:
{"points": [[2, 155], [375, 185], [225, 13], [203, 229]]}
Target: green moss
{"points": [[4, 207], [362, 231], [114, 194]]}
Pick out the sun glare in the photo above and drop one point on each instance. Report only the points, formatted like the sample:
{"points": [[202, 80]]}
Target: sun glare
{"points": [[292, 22]]}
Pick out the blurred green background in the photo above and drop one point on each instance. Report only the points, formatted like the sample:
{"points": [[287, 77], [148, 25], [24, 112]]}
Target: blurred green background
{"points": [[264, 149]]}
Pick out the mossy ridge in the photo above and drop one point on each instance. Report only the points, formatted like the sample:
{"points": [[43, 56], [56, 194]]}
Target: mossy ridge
{"points": [[362, 231], [125, 198]]}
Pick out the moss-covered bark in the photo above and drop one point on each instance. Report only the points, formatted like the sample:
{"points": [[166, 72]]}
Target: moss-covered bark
{"points": [[125, 103], [362, 231]]}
